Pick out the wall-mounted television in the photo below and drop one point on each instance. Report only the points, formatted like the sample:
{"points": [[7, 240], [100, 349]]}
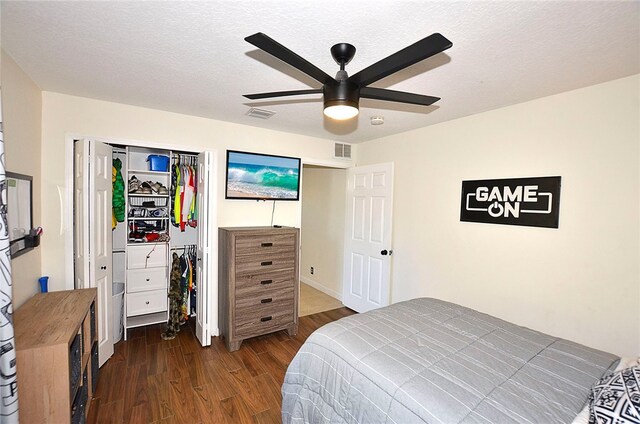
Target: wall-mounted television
{"points": [[257, 176]]}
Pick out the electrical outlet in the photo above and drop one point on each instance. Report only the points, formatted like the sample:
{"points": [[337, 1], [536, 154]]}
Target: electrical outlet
{"points": [[311, 270]]}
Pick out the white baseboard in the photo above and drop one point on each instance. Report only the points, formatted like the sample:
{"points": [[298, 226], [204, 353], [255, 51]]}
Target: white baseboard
{"points": [[319, 286]]}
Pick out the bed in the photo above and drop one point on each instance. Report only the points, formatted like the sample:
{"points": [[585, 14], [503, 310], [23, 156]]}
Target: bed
{"points": [[430, 361]]}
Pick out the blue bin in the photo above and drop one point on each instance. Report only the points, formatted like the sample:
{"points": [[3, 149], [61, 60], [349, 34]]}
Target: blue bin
{"points": [[44, 284], [158, 163]]}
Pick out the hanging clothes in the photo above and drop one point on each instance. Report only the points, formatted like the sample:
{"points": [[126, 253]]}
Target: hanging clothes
{"points": [[184, 289], [189, 191], [188, 261], [114, 221], [192, 252], [118, 193], [180, 195], [187, 282], [177, 196], [174, 180], [175, 297], [193, 210], [184, 180]]}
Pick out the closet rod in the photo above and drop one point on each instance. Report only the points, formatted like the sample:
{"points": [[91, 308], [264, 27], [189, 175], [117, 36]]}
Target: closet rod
{"points": [[179, 152], [183, 247], [184, 158]]}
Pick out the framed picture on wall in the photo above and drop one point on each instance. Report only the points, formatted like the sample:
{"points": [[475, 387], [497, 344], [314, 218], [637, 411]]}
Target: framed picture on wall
{"points": [[19, 212], [533, 202]]}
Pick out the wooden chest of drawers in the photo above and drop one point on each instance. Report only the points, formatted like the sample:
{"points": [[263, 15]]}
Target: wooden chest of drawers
{"points": [[258, 282]]}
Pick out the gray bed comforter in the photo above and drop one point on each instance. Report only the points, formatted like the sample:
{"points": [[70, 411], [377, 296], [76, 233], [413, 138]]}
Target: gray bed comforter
{"points": [[430, 361]]}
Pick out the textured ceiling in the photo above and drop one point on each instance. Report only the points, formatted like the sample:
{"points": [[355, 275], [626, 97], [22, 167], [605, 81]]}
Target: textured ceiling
{"points": [[190, 57]]}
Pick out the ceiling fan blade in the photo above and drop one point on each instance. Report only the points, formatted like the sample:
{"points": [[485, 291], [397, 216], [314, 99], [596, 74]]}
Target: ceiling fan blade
{"points": [[423, 49], [282, 94], [397, 96], [276, 49]]}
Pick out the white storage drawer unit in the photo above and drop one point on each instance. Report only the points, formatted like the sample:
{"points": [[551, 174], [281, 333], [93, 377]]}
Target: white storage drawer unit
{"points": [[146, 284], [147, 256], [147, 212], [146, 279], [146, 302]]}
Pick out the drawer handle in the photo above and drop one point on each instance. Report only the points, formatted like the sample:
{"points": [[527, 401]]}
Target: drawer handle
{"points": [[266, 281], [265, 319], [266, 300], [147, 279], [266, 244], [266, 263], [147, 302]]}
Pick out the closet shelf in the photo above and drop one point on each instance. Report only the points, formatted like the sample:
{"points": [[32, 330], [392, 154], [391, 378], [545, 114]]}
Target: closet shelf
{"points": [[141, 320], [147, 195], [147, 172], [148, 201], [146, 266], [148, 243]]}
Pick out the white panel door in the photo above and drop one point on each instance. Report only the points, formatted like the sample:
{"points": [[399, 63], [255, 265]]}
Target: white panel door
{"points": [[367, 266], [81, 214], [100, 241], [93, 191], [207, 264]]}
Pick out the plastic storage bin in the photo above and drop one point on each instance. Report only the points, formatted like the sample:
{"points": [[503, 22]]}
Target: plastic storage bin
{"points": [[158, 163], [118, 311]]}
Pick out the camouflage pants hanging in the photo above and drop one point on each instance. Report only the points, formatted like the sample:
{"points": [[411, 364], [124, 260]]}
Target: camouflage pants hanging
{"points": [[175, 301]]}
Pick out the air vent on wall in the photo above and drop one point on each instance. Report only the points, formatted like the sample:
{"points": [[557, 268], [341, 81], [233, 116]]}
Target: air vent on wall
{"points": [[342, 151], [260, 113]]}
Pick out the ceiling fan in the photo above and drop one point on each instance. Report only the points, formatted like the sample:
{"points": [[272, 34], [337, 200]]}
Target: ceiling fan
{"points": [[342, 93]]}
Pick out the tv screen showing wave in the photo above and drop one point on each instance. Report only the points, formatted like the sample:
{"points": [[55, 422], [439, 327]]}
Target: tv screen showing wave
{"points": [[257, 176]]}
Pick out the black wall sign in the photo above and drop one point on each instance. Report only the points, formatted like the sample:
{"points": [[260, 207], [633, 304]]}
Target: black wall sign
{"points": [[534, 202]]}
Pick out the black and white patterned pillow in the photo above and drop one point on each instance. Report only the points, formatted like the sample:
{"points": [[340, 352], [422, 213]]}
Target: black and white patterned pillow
{"points": [[615, 398]]}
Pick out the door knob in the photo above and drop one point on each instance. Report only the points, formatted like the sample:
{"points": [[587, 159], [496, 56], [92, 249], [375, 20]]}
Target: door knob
{"points": [[386, 252]]}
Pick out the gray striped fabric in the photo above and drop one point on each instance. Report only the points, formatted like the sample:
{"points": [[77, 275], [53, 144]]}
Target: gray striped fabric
{"points": [[429, 361]]}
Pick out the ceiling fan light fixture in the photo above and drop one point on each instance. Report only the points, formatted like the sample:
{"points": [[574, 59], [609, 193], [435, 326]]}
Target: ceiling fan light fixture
{"points": [[341, 101], [341, 112], [342, 94]]}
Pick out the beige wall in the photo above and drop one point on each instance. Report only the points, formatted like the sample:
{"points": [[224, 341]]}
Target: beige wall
{"points": [[581, 281], [21, 112], [323, 215], [64, 116]]}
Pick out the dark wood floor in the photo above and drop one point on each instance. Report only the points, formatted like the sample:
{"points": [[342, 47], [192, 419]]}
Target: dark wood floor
{"points": [[149, 380]]}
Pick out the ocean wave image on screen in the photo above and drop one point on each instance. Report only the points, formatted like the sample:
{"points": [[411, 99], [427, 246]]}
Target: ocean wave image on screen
{"points": [[262, 181]]}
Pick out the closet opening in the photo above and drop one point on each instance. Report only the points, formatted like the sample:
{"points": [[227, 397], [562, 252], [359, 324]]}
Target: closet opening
{"points": [[322, 238], [143, 238]]}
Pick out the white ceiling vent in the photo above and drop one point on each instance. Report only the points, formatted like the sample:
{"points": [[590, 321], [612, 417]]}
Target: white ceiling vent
{"points": [[342, 151], [260, 113]]}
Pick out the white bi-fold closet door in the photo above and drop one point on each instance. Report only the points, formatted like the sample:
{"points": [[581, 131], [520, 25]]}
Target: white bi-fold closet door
{"points": [[93, 254], [92, 233], [207, 263]]}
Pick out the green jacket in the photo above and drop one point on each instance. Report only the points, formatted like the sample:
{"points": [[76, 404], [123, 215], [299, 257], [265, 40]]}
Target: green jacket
{"points": [[118, 191]]}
